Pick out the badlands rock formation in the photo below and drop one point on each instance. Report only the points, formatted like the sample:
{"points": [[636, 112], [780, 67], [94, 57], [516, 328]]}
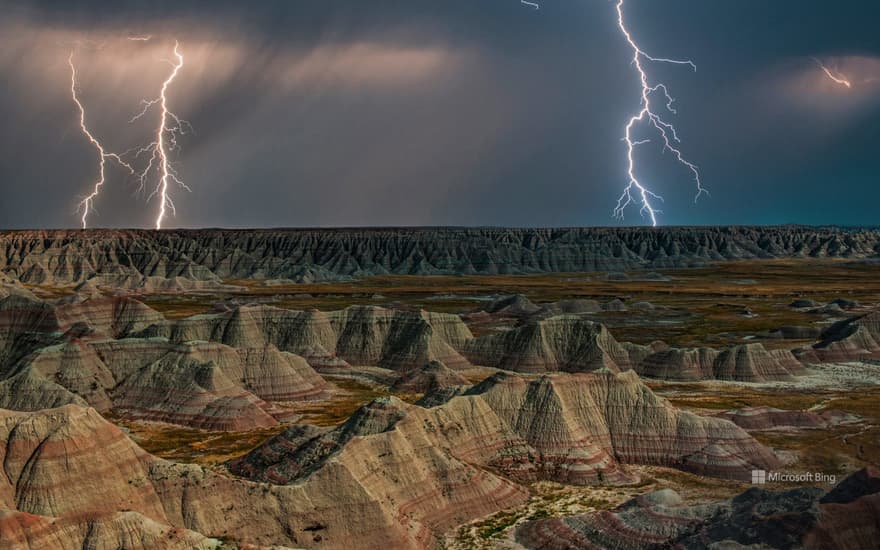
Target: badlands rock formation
{"points": [[563, 343], [199, 384], [742, 363], [430, 378], [357, 335], [573, 344], [66, 257], [394, 475], [76, 353], [49, 495], [854, 339], [848, 517], [569, 428]]}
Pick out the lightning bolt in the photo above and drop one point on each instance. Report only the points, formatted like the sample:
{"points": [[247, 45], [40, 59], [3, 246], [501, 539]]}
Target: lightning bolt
{"points": [[838, 78], [87, 204], [635, 191], [170, 127]]}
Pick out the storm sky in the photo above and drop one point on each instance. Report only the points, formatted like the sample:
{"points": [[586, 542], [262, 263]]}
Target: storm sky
{"points": [[455, 112]]}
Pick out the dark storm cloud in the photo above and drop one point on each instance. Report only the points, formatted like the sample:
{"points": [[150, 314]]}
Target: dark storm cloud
{"points": [[318, 112]]}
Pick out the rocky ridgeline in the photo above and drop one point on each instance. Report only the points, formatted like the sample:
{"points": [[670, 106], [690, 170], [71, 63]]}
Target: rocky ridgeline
{"points": [[167, 259], [846, 517]]}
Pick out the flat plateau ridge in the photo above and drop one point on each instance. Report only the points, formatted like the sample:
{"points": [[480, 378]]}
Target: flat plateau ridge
{"points": [[144, 258]]}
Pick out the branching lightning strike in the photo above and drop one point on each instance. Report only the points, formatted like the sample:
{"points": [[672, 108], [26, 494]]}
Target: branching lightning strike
{"points": [[170, 127], [636, 191], [157, 151], [87, 204]]}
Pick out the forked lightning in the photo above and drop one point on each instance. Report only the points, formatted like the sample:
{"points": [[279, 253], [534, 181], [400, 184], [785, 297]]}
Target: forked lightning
{"points": [[87, 204], [635, 191], [157, 151]]}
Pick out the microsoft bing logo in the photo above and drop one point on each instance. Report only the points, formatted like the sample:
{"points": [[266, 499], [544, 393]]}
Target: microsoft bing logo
{"points": [[759, 477]]}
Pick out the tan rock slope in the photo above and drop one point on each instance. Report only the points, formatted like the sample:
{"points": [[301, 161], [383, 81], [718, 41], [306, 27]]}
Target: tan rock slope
{"points": [[110, 531], [198, 384], [569, 428], [563, 343], [49, 494]]}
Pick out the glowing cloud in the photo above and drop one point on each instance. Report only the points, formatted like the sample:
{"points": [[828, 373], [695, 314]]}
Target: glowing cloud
{"points": [[838, 78]]}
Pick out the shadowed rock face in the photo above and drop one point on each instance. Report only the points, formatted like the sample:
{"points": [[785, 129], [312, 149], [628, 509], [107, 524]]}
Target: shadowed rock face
{"points": [[850, 340], [429, 378], [843, 519], [567, 428], [60, 257]]}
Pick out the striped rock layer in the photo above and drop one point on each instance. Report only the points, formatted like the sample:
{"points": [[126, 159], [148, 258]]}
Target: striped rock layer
{"points": [[394, 475], [575, 429]]}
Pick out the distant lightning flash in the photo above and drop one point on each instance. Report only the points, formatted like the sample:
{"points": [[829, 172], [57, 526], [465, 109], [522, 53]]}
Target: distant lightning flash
{"points": [[88, 203], [838, 78], [635, 191], [170, 127]]}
